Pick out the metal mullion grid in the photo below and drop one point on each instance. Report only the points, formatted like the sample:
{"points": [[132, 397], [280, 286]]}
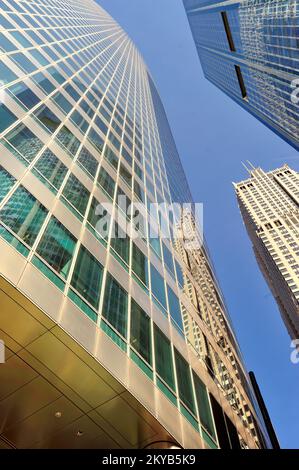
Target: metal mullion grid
{"points": [[82, 231], [110, 232], [144, 121], [55, 41], [43, 69], [66, 118], [79, 240], [152, 141], [91, 120], [131, 62], [34, 4], [106, 90]]}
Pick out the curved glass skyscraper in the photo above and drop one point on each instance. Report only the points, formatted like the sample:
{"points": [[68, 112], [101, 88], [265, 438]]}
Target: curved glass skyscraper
{"points": [[115, 337]]}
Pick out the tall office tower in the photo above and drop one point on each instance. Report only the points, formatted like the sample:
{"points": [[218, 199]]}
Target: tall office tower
{"points": [[269, 203], [248, 49], [97, 353]]}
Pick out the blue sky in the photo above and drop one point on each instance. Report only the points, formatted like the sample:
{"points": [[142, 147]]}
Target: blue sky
{"points": [[213, 136]]}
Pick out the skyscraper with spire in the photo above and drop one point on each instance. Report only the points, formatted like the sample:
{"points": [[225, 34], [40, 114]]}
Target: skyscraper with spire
{"points": [[269, 204]]}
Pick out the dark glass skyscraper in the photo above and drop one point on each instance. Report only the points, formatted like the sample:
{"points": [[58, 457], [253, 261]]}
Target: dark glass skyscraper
{"points": [[249, 49], [112, 340]]}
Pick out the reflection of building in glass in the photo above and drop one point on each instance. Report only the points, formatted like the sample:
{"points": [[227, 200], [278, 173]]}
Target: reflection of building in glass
{"points": [[269, 203], [93, 325], [248, 49]]}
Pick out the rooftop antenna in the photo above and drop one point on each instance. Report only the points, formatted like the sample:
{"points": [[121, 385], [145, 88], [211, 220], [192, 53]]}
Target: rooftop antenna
{"points": [[247, 169], [250, 164]]}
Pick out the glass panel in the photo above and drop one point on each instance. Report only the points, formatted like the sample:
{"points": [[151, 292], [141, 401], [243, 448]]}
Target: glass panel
{"points": [[140, 264], [99, 218], [6, 182], [96, 139], [6, 74], [7, 118], [179, 274], [125, 175], [76, 194], [51, 168], [163, 355], [120, 242], [88, 162], [57, 246], [24, 215], [47, 118], [115, 307], [25, 142], [154, 240], [158, 287], [204, 408], [24, 94], [184, 381], [168, 260], [174, 308], [106, 182], [67, 138], [110, 156], [87, 277], [141, 332]]}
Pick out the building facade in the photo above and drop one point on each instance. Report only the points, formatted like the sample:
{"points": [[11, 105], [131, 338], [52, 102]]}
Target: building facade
{"points": [[269, 204], [112, 338], [249, 49]]}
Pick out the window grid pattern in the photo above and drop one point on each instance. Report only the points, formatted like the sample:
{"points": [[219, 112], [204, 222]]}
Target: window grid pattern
{"points": [[85, 120]]}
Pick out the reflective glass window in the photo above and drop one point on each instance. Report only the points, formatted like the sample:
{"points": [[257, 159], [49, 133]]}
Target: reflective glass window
{"points": [[24, 215], [87, 277], [57, 246], [115, 307]]}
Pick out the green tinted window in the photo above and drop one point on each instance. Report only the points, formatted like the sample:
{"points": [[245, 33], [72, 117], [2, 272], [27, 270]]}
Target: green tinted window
{"points": [[99, 218], [174, 308], [158, 287], [204, 408], [120, 242], [88, 162], [140, 264], [6, 182], [7, 118], [154, 240], [68, 140], [163, 355], [76, 194], [47, 118], [24, 215], [125, 174], [141, 332], [110, 156], [57, 246], [115, 307], [96, 139], [25, 142], [179, 274], [168, 259], [51, 168], [87, 277], [184, 381], [106, 182]]}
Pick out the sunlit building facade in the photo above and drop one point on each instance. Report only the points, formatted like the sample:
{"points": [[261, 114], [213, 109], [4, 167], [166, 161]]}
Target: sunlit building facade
{"points": [[269, 203], [112, 340], [249, 49]]}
